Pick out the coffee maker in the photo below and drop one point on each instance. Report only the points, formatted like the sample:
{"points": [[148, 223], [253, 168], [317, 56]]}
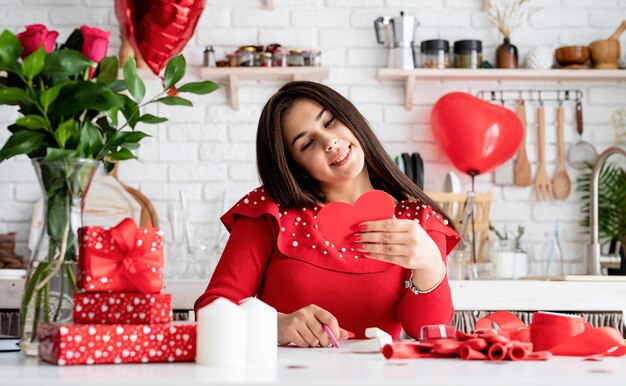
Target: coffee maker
{"points": [[399, 34]]}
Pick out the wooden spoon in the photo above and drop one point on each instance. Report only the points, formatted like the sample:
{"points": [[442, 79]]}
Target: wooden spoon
{"points": [[522, 166], [561, 184]]}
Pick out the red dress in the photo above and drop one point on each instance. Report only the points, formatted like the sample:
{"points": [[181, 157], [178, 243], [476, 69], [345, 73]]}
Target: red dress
{"points": [[281, 257]]}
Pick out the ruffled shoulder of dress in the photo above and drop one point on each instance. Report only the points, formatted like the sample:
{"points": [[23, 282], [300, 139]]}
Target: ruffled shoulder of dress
{"points": [[253, 205], [429, 219], [299, 237]]}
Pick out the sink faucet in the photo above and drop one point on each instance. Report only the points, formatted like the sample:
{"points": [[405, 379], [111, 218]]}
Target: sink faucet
{"points": [[595, 261]]}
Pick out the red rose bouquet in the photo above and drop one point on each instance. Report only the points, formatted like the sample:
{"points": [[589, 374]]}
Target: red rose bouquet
{"points": [[75, 112]]}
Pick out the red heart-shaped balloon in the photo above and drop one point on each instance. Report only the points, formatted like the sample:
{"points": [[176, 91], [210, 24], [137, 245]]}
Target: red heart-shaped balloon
{"points": [[158, 29], [338, 220], [475, 135]]}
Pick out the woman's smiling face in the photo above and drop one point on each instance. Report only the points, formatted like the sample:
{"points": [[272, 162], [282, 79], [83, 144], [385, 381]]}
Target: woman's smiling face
{"points": [[324, 148]]}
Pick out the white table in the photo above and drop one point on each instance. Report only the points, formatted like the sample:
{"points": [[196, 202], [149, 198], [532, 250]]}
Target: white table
{"points": [[321, 367]]}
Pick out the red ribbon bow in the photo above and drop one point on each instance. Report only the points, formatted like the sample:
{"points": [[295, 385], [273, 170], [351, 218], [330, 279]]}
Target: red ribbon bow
{"points": [[133, 262]]}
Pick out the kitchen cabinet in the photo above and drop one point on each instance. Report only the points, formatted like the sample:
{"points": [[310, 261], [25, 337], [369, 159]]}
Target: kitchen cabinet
{"points": [[232, 76], [410, 76]]}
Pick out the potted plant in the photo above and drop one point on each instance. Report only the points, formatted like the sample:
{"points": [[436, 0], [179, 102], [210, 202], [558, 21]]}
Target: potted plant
{"points": [[76, 114], [508, 259]]}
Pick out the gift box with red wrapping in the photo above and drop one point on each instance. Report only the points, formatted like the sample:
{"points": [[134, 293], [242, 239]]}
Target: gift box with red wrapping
{"points": [[122, 308], [120, 259], [73, 344], [437, 331]]}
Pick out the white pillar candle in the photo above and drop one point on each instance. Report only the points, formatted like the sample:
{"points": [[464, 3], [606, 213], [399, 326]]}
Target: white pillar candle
{"points": [[221, 337], [262, 330]]}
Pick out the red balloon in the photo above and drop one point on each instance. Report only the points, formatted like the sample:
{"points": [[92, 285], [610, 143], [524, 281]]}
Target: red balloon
{"points": [[158, 29], [475, 135]]}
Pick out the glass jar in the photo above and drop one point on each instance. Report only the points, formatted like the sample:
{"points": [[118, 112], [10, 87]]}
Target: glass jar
{"points": [[435, 53], [312, 58], [468, 53], [246, 57], [281, 56], [266, 59], [296, 58], [233, 59]]}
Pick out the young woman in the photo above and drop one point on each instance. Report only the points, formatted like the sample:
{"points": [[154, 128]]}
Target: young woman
{"points": [[313, 148]]}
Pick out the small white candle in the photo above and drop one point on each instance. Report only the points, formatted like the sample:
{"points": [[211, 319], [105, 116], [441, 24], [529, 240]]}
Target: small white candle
{"points": [[262, 330], [221, 337]]}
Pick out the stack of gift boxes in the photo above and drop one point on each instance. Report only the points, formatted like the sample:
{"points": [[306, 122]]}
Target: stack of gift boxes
{"points": [[120, 314]]}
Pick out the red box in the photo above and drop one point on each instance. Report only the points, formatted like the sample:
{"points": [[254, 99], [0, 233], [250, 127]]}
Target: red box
{"points": [[73, 344], [120, 259], [122, 308], [437, 331]]}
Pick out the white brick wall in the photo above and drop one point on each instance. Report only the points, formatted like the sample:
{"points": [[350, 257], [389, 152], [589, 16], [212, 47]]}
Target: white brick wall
{"points": [[209, 149]]}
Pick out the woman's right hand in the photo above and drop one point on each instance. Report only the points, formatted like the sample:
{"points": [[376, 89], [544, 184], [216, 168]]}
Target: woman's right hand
{"points": [[304, 327]]}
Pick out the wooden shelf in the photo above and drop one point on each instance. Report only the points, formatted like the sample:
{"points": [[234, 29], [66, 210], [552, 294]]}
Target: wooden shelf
{"points": [[232, 76], [410, 76]]}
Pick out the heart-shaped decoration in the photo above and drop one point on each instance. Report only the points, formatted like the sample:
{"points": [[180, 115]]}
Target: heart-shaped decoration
{"points": [[475, 135], [338, 221], [158, 29]]}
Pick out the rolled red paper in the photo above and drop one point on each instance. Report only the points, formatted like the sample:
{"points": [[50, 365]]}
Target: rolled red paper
{"points": [[518, 351], [467, 353], [404, 350], [497, 351], [476, 343], [446, 346]]}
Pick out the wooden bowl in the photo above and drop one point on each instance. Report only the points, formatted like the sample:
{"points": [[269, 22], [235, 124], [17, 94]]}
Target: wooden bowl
{"points": [[572, 55]]}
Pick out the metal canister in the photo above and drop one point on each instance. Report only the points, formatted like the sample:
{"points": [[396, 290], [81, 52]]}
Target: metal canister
{"points": [[296, 58]]}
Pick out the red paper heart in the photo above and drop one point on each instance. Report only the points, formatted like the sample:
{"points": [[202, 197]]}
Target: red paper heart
{"points": [[338, 220], [475, 135]]}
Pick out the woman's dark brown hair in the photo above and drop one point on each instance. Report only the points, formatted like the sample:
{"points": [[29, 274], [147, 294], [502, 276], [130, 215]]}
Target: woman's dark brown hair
{"points": [[282, 178]]}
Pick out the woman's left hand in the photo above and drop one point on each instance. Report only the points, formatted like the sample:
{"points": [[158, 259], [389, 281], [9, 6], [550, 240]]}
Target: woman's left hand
{"points": [[402, 242]]}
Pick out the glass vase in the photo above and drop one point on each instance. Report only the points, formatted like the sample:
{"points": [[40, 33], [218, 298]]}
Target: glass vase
{"points": [[506, 55], [51, 276]]}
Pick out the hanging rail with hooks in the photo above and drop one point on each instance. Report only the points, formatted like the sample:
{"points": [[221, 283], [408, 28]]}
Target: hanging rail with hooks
{"points": [[571, 95]]}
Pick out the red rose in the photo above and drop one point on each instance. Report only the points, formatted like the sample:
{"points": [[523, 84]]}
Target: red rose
{"points": [[95, 44], [35, 36]]}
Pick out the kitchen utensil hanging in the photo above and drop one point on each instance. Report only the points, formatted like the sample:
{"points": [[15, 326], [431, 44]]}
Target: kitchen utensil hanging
{"points": [[418, 165], [562, 183], [581, 153], [522, 166], [543, 185]]}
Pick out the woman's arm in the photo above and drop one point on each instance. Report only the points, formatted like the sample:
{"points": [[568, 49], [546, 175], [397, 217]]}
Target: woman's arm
{"points": [[241, 267]]}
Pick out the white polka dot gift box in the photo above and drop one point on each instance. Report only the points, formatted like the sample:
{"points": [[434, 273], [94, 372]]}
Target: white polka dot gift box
{"points": [[122, 308], [73, 344], [124, 258]]}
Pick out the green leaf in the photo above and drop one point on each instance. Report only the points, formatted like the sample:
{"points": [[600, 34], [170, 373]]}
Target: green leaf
{"points": [[133, 82], [10, 51], [21, 142], [122, 137], [33, 63], [50, 95], [66, 63], [118, 85], [107, 70], [151, 119], [112, 115], [174, 71], [53, 154], [83, 95], [174, 101], [13, 96], [65, 132], [122, 154], [33, 122], [199, 88], [91, 141]]}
